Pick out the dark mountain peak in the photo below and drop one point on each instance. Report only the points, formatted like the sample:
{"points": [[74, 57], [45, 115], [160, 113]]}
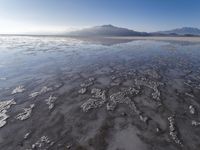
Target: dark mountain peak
{"points": [[108, 26], [106, 30]]}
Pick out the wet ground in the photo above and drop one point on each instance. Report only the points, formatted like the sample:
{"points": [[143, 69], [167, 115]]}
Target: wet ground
{"points": [[60, 93]]}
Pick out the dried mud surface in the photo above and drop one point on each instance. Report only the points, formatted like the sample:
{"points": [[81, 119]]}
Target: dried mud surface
{"points": [[61, 93]]}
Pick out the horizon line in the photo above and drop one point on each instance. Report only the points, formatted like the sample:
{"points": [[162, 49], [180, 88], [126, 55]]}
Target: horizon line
{"points": [[72, 29]]}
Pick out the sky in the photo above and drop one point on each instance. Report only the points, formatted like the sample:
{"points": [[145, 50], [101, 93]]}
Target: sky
{"points": [[48, 16]]}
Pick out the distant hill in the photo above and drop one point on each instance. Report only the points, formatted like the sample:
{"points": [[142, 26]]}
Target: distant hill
{"points": [[187, 31], [106, 30], [110, 30]]}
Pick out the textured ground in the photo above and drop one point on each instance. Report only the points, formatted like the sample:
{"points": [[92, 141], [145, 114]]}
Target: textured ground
{"points": [[59, 93]]}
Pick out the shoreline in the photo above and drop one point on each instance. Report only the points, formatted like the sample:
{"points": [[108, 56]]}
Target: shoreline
{"points": [[108, 39], [162, 38]]}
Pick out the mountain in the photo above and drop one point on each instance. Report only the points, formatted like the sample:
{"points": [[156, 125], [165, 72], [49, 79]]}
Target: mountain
{"points": [[181, 31], [106, 30], [110, 30]]}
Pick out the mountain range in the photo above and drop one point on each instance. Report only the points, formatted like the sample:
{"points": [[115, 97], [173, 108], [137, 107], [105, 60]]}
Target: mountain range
{"points": [[182, 31], [110, 30]]}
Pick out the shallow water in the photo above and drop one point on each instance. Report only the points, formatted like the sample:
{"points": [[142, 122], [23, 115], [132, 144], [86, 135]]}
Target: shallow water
{"points": [[93, 94]]}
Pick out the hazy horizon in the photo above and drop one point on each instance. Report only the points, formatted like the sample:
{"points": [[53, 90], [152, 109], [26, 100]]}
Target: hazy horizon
{"points": [[42, 17]]}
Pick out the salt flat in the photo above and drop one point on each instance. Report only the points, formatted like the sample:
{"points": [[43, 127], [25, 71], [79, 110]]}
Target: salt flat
{"points": [[109, 93]]}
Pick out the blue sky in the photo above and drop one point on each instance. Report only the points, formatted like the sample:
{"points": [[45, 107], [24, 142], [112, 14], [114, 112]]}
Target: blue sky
{"points": [[17, 16]]}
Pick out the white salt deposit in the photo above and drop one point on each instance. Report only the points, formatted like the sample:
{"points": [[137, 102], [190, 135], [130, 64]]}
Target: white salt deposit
{"points": [[50, 101], [26, 113], [195, 123], [173, 130], [42, 143], [42, 91], [82, 91], [18, 89], [4, 106], [97, 100], [27, 135], [192, 109]]}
